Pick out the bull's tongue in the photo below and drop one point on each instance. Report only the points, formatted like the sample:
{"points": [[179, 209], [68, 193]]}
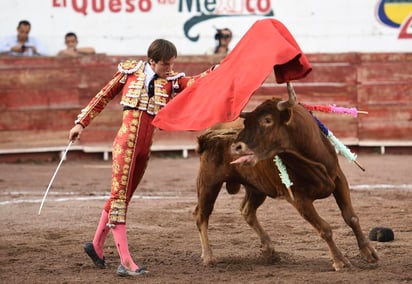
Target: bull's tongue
{"points": [[242, 159]]}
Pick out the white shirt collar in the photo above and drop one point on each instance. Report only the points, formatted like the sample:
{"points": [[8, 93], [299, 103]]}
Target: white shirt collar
{"points": [[148, 71], [149, 74]]}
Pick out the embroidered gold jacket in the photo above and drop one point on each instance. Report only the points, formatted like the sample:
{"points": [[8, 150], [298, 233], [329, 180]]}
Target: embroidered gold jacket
{"points": [[129, 81]]}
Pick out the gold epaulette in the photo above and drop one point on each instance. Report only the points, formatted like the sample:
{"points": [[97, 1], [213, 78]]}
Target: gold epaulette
{"points": [[174, 76], [129, 66]]}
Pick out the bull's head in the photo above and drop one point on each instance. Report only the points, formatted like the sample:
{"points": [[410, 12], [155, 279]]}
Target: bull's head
{"points": [[265, 130]]}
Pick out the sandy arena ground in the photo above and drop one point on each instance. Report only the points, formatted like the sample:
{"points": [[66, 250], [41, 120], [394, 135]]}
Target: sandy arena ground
{"points": [[163, 235]]}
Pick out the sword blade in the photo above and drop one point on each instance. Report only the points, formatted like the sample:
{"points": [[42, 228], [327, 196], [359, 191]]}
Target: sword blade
{"points": [[54, 175]]}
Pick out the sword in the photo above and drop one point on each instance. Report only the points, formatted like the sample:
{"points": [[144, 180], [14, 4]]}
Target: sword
{"points": [[54, 175]]}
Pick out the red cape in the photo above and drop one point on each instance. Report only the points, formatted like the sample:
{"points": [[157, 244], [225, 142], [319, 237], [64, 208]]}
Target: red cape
{"points": [[222, 94]]}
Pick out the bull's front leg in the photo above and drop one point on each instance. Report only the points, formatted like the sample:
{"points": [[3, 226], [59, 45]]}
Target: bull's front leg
{"points": [[206, 195], [249, 206], [342, 197], [306, 209]]}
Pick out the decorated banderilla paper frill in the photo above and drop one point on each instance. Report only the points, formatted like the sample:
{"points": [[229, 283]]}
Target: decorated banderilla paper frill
{"points": [[335, 109], [340, 147], [284, 176]]}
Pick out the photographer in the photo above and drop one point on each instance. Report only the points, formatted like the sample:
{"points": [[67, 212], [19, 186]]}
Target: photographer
{"points": [[223, 38], [22, 44]]}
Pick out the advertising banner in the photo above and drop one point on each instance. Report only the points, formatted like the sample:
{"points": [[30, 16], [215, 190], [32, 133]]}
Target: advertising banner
{"points": [[125, 27]]}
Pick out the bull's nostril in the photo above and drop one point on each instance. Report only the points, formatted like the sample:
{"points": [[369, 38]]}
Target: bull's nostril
{"points": [[237, 147]]}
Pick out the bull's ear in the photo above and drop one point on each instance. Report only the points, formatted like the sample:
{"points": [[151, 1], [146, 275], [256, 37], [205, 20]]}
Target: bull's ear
{"points": [[243, 114]]}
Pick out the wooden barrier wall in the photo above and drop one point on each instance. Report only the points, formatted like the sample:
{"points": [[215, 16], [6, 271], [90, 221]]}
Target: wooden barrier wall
{"points": [[41, 97]]}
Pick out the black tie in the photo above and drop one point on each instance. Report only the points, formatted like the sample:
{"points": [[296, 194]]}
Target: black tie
{"points": [[151, 85]]}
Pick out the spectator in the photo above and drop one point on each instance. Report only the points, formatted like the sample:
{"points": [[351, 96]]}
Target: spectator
{"points": [[22, 44], [71, 41], [223, 38]]}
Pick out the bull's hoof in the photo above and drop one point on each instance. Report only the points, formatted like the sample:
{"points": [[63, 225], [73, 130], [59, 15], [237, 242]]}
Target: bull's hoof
{"points": [[381, 234], [342, 264], [270, 255], [370, 253], [209, 261]]}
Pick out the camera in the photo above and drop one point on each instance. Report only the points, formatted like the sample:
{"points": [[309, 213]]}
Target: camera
{"points": [[23, 48], [220, 35]]}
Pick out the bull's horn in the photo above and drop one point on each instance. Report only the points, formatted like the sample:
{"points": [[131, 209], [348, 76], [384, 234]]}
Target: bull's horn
{"points": [[282, 105], [243, 114]]}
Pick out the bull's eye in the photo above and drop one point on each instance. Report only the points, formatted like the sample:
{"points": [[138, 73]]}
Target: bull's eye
{"points": [[266, 120]]}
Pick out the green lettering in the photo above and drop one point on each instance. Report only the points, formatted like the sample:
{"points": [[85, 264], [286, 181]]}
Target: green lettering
{"points": [[189, 5], [210, 5]]}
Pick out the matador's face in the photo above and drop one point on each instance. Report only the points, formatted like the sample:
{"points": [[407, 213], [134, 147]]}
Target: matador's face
{"points": [[162, 67]]}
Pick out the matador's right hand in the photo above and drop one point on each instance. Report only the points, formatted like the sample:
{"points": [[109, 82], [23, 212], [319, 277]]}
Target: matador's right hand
{"points": [[75, 132]]}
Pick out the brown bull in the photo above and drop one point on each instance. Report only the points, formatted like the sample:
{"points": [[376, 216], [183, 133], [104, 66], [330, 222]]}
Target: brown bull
{"points": [[288, 130]]}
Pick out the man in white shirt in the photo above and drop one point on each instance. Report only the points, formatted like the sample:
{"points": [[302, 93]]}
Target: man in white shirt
{"points": [[22, 44]]}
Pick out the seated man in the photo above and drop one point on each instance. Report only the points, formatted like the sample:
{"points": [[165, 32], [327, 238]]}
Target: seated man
{"points": [[71, 41], [22, 44]]}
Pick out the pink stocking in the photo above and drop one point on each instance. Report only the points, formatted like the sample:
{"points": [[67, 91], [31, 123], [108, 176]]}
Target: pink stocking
{"points": [[101, 234], [120, 238]]}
